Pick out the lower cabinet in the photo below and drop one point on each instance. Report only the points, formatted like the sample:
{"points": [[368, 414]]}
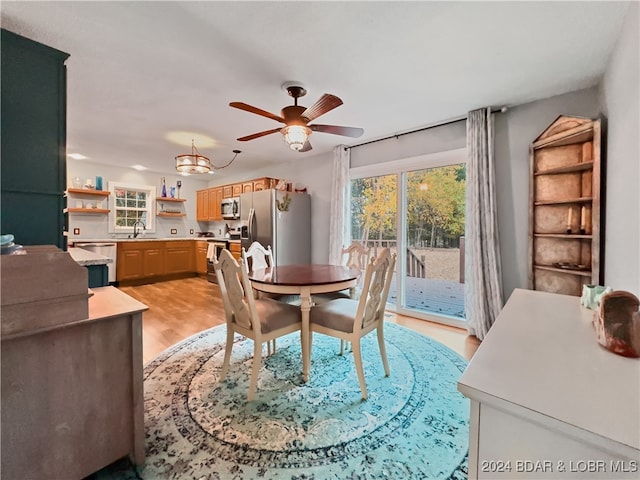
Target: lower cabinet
{"points": [[235, 249], [201, 257], [98, 276], [130, 263], [179, 257], [154, 261], [140, 260]]}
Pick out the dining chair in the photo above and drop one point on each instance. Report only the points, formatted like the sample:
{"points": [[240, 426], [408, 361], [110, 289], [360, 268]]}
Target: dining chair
{"points": [[255, 257], [350, 320], [261, 320], [355, 255]]}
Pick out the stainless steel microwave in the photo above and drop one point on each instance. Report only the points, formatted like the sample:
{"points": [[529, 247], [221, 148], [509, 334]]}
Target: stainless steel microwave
{"points": [[231, 208]]}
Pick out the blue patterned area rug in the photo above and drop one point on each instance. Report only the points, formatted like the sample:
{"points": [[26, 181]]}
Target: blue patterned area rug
{"points": [[413, 426]]}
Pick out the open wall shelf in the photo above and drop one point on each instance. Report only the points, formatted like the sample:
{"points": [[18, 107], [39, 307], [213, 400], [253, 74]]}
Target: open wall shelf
{"points": [[87, 191]]}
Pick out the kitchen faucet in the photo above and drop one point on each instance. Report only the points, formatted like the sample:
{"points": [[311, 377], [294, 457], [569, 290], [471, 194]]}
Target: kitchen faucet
{"points": [[136, 232]]}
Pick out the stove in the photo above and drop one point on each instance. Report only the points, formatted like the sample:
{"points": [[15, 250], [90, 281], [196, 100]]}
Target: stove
{"points": [[219, 244]]}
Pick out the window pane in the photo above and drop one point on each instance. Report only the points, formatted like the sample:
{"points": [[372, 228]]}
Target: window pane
{"points": [[432, 255], [435, 225], [373, 214], [131, 205]]}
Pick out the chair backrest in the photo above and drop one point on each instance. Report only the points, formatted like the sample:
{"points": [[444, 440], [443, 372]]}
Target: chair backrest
{"points": [[233, 279], [356, 255], [256, 256], [375, 289]]}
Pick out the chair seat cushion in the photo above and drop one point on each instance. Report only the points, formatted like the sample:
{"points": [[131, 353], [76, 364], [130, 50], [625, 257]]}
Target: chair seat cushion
{"points": [[281, 297], [275, 315], [337, 314], [320, 298]]}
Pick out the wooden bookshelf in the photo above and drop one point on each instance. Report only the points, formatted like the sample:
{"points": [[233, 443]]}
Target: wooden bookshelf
{"points": [[564, 208]]}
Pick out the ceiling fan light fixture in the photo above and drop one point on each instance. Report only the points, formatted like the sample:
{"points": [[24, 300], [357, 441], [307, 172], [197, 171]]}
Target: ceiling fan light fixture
{"points": [[296, 136]]}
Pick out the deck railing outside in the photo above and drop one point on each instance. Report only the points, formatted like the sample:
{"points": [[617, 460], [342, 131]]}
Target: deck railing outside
{"points": [[416, 265]]}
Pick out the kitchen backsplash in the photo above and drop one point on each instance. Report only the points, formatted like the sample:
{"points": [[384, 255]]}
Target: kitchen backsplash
{"points": [[95, 227]]}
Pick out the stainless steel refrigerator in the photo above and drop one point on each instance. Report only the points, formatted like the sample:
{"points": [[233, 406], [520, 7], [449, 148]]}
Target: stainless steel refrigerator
{"points": [[280, 219]]}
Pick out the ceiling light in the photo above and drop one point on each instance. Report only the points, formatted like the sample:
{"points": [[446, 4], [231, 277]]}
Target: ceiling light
{"points": [[140, 168], [296, 136], [76, 156], [195, 162]]}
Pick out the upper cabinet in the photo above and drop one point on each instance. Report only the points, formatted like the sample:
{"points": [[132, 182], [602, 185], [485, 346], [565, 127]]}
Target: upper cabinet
{"points": [[564, 212], [209, 200], [33, 141], [202, 205]]}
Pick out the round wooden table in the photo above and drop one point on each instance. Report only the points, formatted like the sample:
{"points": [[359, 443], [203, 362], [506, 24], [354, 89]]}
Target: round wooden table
{"points": [[304, 280]]}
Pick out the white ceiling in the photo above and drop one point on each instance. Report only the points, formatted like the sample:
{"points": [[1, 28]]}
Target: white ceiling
{"points": [[140, 70]]}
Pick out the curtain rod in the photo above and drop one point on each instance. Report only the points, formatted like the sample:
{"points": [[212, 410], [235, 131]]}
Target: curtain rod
{"points": [[442, 124]]}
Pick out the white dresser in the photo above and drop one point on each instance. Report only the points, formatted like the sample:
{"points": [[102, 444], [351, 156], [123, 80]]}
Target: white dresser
{"points": [[546, 400]]}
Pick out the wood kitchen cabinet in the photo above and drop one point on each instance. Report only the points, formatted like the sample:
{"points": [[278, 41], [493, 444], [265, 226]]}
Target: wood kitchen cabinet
{"points": [[200, 257], [264, 184], [129, 264], [148, 261], [202, 205], [137, 260], [236, 250], [208, 201], [178, 257], [215, 201], [154, 260]]}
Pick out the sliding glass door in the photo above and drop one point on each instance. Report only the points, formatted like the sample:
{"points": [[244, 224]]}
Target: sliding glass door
{"points": [[419, 214]]}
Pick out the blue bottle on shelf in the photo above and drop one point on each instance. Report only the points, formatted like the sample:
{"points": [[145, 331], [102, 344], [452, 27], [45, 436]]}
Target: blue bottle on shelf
{"points": [[164, 188], [98, 183]]}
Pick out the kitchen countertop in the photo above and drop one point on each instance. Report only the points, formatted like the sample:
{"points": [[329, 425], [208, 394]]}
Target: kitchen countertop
{"points": [[86, 258], [149, 239]]}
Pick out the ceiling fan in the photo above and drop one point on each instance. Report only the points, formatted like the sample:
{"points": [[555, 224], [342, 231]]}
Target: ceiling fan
{"points": [[296, 119]]}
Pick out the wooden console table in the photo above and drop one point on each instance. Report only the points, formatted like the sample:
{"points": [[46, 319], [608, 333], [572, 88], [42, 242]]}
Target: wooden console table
{"points": [[546, 400], [72, 398]]}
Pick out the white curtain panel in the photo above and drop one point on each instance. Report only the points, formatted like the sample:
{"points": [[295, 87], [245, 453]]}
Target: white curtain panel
{"points": [[483, 272], [338, 225]]}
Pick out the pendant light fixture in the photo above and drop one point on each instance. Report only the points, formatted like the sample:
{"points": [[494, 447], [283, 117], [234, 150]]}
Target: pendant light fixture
{"points": [[195, 162]]}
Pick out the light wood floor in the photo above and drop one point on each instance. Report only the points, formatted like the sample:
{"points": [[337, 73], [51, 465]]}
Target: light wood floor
{"points": [[181, 308]]}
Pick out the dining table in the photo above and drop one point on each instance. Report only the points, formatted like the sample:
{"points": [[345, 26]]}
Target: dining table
{"points": [[304, 280]]}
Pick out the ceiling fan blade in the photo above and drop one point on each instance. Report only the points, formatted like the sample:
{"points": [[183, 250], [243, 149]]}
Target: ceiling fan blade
{"points": [[326, 103], [257, 111], [306, 147], [337, 130], [258, 135]]}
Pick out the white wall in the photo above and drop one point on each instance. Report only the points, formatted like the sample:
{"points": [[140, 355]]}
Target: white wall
{"points": [[95, 226], [622, 107], [514, 132], [315, 173]]}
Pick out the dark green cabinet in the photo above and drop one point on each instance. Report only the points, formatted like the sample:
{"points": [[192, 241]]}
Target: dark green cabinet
{"points": [[33, 141]]}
